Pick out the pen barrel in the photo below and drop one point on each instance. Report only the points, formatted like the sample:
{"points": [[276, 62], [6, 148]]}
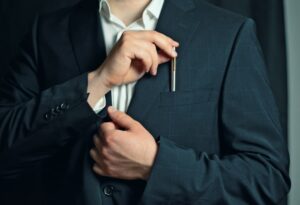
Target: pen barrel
{"points": [[173, 80], [173, 75]]}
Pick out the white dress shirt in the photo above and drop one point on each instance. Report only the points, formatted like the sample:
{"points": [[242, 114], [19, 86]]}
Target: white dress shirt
{"points": [[113, 29]]}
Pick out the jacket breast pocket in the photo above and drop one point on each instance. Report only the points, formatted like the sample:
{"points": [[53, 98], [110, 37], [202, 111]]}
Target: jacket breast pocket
{"points": [[181, 98], [188, 117]]}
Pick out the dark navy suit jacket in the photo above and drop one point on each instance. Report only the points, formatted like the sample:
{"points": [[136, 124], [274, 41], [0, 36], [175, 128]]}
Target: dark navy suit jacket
{"points": [[220, 139]]}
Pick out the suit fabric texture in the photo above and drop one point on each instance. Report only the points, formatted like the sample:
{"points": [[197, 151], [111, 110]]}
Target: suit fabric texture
{"points": [[220, 139]]}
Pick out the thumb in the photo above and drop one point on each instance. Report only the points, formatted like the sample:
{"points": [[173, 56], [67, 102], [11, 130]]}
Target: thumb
{"points": [[121, 119]]}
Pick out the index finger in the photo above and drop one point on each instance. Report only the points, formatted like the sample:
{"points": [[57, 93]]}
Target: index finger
{"points": [[163, 42]]}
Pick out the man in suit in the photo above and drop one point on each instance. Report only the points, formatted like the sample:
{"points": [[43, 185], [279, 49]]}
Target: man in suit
{"points": [[216, 140]]}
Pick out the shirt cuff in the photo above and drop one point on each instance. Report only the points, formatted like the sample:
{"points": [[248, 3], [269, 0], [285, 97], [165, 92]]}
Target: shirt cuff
{"points": [[100, 105]]}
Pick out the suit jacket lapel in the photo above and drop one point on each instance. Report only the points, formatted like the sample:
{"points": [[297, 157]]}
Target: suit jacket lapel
{"points": [[177, 21], [86, 36]]}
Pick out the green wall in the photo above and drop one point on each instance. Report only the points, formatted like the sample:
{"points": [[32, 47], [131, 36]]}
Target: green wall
{"points": [[292, 12]]}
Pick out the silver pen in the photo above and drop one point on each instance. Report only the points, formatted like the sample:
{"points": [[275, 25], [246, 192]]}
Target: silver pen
{"points": [[173, 74]]}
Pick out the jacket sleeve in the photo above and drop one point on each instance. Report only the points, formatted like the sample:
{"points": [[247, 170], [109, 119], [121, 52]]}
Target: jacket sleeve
{"points": [[253, 166], [34, 122]]}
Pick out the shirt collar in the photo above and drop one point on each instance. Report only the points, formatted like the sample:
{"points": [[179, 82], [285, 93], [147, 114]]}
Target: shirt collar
{"points": [[154, 8], [104, 8]]}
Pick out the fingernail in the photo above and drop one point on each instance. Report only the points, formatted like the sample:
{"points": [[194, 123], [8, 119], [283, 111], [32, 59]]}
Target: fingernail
{"points": [[112, 109]]}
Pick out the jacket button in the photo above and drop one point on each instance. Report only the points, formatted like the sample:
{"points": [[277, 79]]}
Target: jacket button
{"points": [[103, 113], [47, 116], [63, 106], [53, 112], [108, 190], [58, 109]]}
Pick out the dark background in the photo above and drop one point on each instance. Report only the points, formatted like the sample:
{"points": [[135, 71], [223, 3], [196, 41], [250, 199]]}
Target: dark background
{"points": [[16, 17]]}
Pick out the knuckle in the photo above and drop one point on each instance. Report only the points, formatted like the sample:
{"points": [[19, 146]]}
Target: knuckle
{"points": [[154, 32], [148, 46], [104, 126], [136, 123], [123, 43], [106, 163], [166, 44], [92, 153], [98, 161], [104, 153], [148, 61], [170, 40], [107, 169], [153, 47], [126, 33], [95, 168], [101, 133], [126, 36], [110, 124], [95, 156], [121, 116], [105, 134], [105, 137], [147, 34], [111, 140]]}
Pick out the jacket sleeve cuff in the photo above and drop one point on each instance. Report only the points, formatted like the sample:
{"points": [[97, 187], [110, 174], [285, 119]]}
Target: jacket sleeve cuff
{"points": [[164, 173]]}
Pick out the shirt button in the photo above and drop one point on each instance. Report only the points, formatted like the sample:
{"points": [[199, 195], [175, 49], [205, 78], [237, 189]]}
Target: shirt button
{"points": [[108, 190]]}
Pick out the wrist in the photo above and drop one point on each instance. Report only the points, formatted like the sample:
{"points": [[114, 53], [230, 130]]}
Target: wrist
{"points": [[103, 78], [97, 87], [150, 162]]}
